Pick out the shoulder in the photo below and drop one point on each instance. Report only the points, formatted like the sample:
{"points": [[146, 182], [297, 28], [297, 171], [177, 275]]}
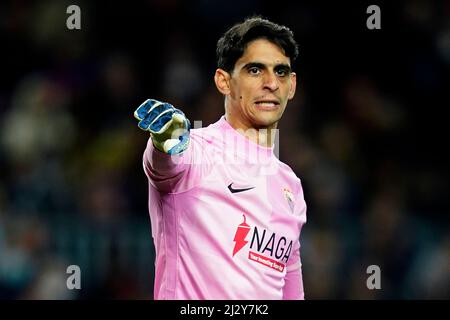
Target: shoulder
{"points": [[210, 135], [205, 132], [293, 190], [291, 178], [287, 172]]}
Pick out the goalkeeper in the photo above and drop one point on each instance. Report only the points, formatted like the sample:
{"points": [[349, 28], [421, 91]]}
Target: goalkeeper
{"points": [[226, 214]]}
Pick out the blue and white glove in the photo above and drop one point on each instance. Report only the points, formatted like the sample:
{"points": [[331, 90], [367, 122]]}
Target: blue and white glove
{"points": [[168, 126]]}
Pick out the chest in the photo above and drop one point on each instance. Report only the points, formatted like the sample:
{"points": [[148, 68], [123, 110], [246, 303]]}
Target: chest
{"points": [[265, 197]]}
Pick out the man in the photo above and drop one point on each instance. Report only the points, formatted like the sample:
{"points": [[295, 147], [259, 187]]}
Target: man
{"points": [[226, 214]]}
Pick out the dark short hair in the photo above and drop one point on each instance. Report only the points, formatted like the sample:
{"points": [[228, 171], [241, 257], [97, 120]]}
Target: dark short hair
{"points": [[232, 44]]}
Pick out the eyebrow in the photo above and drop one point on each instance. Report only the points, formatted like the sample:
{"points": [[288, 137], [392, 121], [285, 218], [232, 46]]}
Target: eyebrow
{"points": [[260, 65]]}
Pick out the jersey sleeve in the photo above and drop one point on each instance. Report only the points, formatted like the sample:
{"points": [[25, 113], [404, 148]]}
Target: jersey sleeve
{"points": [[293, 282], [176, 173], [293, 288]]}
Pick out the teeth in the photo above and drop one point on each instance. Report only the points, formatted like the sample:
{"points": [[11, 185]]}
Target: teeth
{"points": [[266, 104]]}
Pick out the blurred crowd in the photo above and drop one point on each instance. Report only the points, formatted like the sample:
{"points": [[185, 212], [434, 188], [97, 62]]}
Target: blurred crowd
{"points": [[366, 133]]}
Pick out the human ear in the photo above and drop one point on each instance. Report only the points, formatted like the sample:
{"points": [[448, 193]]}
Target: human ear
{"points": [[222, 80], [293, 86]]}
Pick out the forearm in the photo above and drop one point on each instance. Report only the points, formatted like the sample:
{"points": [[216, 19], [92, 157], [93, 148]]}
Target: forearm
{"points": [[163, 170], [177, 173], [293, 288]]}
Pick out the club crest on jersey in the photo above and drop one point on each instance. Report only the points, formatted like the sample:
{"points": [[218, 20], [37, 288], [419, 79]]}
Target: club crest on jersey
{"points": [[266, 247], [289, 198]]}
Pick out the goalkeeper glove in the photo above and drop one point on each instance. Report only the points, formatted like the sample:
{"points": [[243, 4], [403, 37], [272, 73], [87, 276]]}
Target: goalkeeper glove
{"points": [[168, 126]]}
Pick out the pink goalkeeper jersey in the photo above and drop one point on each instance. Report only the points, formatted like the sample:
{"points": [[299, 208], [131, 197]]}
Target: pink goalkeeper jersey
{"points": [[226, 217]]}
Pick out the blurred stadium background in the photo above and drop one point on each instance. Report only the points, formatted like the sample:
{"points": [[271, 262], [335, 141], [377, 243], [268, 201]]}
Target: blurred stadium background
{"points": [[366, 133]]}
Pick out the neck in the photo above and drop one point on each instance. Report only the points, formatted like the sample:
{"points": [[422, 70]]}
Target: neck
{"points": [[262, 135]]}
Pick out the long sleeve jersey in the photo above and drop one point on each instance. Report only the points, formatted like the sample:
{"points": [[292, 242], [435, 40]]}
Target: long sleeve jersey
{"points": [[226, 217]]}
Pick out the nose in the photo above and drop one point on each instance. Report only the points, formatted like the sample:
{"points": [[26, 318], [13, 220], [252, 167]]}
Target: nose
{"points": [[270, 81]]}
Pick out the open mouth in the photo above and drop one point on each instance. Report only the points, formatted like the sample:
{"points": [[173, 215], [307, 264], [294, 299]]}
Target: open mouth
{"points": [[267, 104]]}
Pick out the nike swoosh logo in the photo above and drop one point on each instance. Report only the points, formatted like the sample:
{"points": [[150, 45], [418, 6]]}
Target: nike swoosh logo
{"points": [[238, 190]]}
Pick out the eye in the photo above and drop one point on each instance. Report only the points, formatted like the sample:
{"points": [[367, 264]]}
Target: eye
{"points": [[254, 70], [281, 72]]}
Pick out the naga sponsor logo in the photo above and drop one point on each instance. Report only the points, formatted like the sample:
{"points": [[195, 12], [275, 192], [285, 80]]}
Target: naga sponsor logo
{"points": [[266, 247]]}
